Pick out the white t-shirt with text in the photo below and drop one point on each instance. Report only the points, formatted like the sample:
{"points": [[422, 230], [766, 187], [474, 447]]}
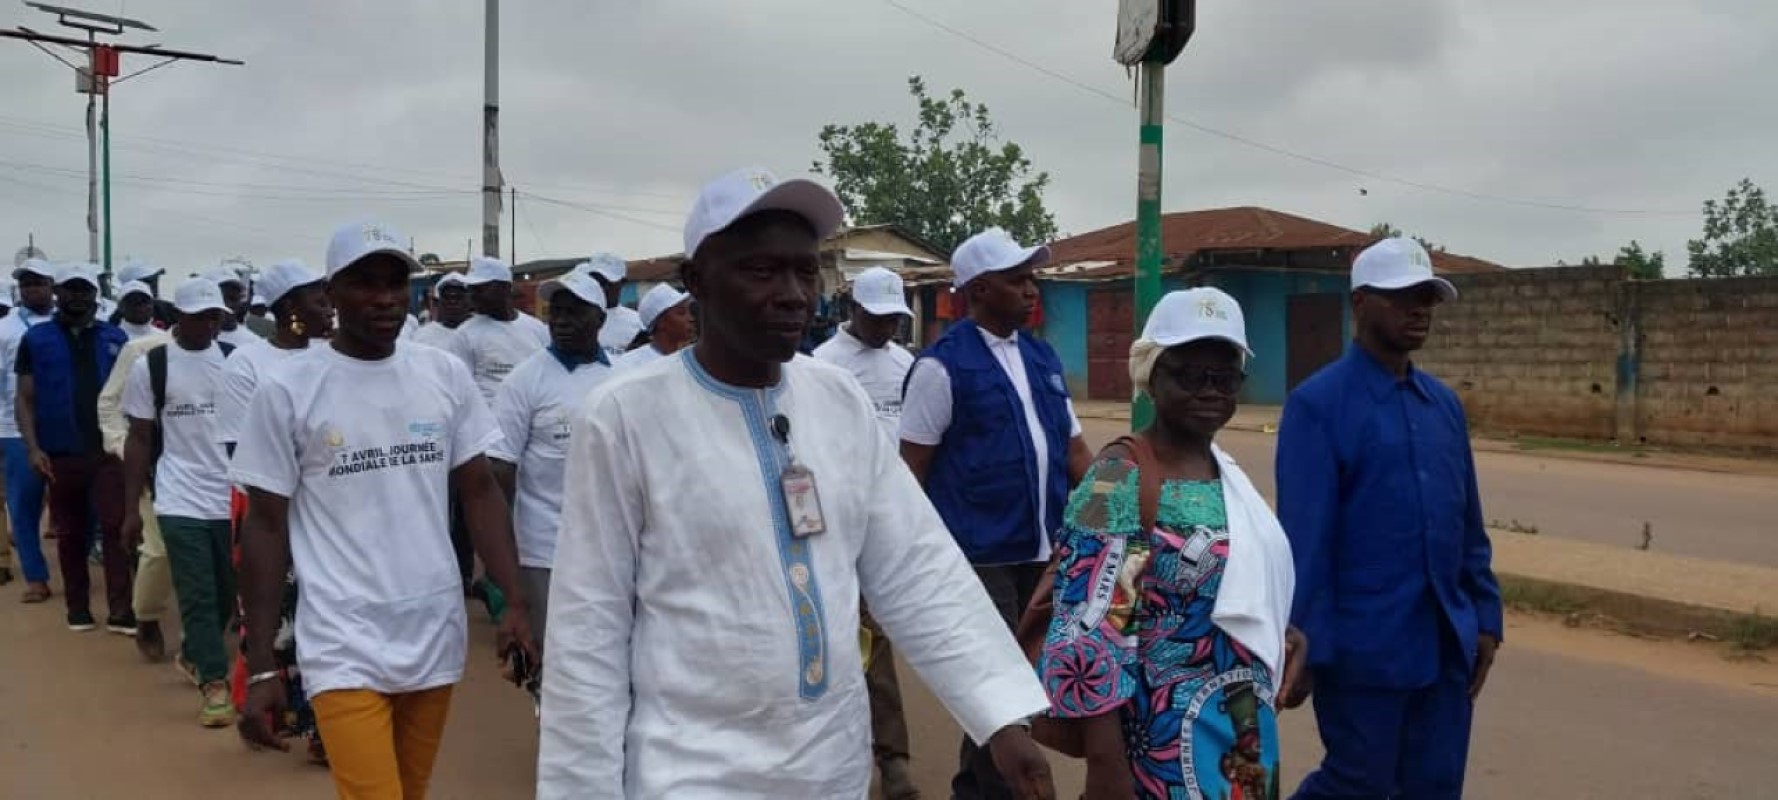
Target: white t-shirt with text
{"points": [[364, 451], [492, 348], [880, 370], [533, 408], [191, 478]]}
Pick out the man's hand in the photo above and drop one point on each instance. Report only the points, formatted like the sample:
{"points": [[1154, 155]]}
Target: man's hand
{"points": [[1485, 645], [1021, 764], [1297, 683], [41, 463], [264, 715], [515, 629], [132, 530]]}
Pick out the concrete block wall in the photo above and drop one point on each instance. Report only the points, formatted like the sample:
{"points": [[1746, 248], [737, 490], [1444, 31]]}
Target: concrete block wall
{"points": [[1532, 352], [1709, 362], [1584, 352]]}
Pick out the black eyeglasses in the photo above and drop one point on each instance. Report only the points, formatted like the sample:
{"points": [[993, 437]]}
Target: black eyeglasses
{"points": [[1193, 381]]}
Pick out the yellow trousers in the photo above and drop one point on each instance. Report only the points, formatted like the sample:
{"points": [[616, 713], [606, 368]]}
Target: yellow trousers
{"points": [[381, 746]]}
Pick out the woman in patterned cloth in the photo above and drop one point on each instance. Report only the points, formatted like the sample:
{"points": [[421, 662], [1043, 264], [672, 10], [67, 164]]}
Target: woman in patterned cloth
{"points": [[1169, 644]]}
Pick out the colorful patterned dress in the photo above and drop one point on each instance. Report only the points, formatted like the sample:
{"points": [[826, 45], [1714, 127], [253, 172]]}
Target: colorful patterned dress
{"points": [[1132, 634]]}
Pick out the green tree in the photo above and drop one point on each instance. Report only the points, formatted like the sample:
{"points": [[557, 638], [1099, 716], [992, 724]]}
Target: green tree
{"points": [[1740, 235], [1384, 230], [1643, 265], [946, 180]]}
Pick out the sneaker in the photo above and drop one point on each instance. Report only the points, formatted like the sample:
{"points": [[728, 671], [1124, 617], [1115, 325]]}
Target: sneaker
{"points": [[219, 706], [81, 621], [188, 669], [121, 624], [150, 643]]}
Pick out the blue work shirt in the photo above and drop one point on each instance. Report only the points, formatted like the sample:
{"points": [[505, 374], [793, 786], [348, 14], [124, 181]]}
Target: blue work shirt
{"points": [[1377, 493]]}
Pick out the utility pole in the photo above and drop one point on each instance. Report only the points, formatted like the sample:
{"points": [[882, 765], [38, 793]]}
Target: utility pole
{"points": [[491, 133], [512, 224], [95, 79], [1150, 34]]}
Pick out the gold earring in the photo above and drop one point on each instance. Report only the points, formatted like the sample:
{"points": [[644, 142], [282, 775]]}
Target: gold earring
{"points": [[297, 327]]}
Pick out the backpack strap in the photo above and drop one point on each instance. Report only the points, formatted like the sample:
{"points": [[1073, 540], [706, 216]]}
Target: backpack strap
{"points": [[157, 383], [1148, 477]]}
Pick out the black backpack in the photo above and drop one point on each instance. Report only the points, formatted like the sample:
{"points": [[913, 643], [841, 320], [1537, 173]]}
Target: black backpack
{"points": [[157, 381]]}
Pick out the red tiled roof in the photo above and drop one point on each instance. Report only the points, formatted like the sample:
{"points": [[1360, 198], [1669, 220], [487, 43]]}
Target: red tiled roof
{"points": [[1243, 228], [656, 270]]}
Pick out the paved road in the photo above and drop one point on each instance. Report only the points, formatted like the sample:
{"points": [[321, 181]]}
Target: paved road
{"points": [[80, 717], [1712, 515]]}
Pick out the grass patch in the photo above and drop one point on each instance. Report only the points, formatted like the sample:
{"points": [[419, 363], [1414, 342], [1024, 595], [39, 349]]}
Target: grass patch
{"points": [[1751, 633], [1541, 597]]}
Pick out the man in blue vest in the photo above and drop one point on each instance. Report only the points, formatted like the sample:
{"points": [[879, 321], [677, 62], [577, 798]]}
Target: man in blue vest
{"points": [[24, 487], [61, 367], [1377, 492], [988, 428]]}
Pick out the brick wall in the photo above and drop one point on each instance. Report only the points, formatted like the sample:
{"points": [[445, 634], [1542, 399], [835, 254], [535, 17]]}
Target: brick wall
{"points": [[1532, 352], [1587, 353]]}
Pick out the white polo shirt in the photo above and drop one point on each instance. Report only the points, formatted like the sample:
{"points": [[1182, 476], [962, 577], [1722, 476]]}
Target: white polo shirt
{"points": [[492, 348], [12, 331], [533, 409], [926, 414]]}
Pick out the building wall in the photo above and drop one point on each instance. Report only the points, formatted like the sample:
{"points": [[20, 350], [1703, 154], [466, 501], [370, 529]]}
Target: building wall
{"points": [[1587, 353], [1065, 329]]}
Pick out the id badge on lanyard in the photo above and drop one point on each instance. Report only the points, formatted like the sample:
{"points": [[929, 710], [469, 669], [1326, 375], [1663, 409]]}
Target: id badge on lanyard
{"points": [[802, 500]]}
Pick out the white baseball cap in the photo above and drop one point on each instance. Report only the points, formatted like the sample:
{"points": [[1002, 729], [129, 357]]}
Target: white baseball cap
{"points": [[881, 292], [357, 241], [992, 250], [138, 271], [1190, 315], [751, 190], [484, 270], [78, 271], [135, 287], [658, 300], [225, 273], [1397, 263], [282, 278], [199, 295], [38, 267], [447, 279], [609, 266], [579, 284]]}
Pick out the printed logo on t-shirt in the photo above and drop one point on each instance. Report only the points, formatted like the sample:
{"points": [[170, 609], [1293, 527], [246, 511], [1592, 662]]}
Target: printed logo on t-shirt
{"points": [[177, 410], [423, 447], [561, 428], [888, 409]]}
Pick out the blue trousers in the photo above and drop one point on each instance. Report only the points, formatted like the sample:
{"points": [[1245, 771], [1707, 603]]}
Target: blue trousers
{"points": [[24, 504], [1391, 744]]}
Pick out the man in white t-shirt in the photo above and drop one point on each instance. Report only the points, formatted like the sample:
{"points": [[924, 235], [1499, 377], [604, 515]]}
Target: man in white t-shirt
{"points": [[988, 427], [666, 317], [24, 485], [499, 336], [622, 323], [135, 310], [347, 455], [450, 309], [170, 400], [234, 294], [533, 408], [866, 348]]}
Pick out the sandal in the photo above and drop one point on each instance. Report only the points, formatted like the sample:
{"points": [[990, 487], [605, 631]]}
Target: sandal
{"points": [[36, 594]]}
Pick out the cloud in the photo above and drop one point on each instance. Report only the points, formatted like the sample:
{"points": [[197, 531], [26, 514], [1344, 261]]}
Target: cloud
{"points": [[613, 113]]}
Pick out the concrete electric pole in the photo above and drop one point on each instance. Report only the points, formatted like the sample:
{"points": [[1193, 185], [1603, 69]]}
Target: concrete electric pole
{"points": [[491, 133]]}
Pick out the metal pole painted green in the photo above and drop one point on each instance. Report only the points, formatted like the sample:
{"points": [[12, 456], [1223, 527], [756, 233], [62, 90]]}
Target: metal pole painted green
{"points": [[1151, 89]]}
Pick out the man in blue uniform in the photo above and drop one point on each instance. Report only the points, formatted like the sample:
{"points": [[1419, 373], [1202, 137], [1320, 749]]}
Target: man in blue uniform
{"points": [[1377, 492]]}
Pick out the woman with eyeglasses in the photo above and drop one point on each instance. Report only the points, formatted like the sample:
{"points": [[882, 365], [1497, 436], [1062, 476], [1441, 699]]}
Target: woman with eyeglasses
{"points": [[1170, 637]]}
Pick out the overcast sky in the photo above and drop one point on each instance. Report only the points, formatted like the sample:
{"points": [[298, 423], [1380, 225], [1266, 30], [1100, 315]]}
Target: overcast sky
{"points": [[350, 109]]}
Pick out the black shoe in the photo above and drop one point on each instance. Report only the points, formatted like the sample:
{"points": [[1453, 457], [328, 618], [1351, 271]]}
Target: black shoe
{"points": [[121, 624], [150, 643], [5, 575], [81, 621]]}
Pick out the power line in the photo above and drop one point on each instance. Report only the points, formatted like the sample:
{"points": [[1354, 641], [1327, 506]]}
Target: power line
{"points": [[1270, 148], [603, 212]]}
